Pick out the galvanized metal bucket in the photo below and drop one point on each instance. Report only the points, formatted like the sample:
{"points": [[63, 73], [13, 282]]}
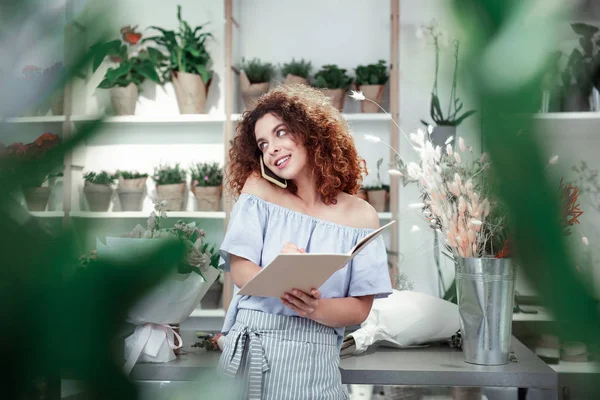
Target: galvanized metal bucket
{"points": [[485, 288]]}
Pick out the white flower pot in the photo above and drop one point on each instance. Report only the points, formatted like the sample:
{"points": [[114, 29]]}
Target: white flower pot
{"points": [[191, 92], [37, 197], [97, 196], [124, 99]]}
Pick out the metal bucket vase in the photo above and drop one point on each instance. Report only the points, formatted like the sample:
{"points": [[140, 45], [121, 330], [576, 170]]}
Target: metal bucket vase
{"points": [[441, 133], [486, 291]]}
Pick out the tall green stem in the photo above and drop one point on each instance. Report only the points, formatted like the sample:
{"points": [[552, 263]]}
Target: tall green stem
{"points": [[454, 81]]}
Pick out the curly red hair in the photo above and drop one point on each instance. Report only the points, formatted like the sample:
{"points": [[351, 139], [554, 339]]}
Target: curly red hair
{"points": [[316, 124]]}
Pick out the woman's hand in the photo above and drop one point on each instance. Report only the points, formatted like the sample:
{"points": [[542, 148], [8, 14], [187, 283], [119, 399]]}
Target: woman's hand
{"points": [[292, 248], [306, 305]]}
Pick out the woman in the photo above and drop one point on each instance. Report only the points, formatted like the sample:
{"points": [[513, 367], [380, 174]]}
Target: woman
{"points": [[295, 168]]}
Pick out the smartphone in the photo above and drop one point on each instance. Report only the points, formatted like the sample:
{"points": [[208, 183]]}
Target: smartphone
{"points": [[270, 175]]}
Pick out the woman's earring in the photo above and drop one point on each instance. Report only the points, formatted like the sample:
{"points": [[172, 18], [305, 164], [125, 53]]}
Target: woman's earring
{"points": [[270, 176]]}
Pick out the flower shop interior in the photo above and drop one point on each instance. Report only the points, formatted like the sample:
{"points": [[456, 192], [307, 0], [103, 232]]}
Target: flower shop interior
{"points": [[117, 119]]}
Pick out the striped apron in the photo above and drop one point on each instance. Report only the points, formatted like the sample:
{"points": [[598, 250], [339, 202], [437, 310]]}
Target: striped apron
{"points": [[279, 357]]}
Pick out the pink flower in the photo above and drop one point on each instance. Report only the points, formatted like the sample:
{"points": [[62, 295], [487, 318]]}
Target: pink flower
{"points": [[206, 178], [484, 157], [461, 144], [457, 158], [553, 160], [449, 150]]}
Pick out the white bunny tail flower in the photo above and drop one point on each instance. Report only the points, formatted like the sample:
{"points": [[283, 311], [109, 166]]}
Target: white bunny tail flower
{"points": [[553, 160], [164, 203], [416, 205], [415, 228], [372, 138], [585, 241], [461, 144], [395, 172], [357, 95], [449, 150], [476, 222], [419, 33], [457, 158], [484, 157], [449, 140], [430, 129]]}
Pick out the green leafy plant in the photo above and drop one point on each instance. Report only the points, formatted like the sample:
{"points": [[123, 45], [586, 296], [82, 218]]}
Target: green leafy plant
{"points": [[299, 68], [100, 178], [130, 174], [330, 76], [132, 68], [206, 174], [186, 50], [372, 74], [168, 174], [378, 185], [258, 71], [455, 105]]}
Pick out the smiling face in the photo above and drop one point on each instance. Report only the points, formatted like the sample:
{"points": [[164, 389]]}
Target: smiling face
{"points": [[281, 154]]}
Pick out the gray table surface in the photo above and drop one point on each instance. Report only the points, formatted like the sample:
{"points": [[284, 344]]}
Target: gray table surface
{"points": [[443, 366], [429, 366]]}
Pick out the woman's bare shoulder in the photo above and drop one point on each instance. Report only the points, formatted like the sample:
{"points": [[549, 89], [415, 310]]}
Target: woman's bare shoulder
{"points": [[360, 213], [258, 186]]}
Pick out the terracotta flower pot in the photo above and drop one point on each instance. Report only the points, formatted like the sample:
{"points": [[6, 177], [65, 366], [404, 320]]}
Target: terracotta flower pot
{"points": [[174, 194], [208, 197], [191, 92], [378, 199], [251, 92], [57, 102], [124, 99], [132, 193], [362, 194], [337, 97], [373, 92], [37, 197], [97, 196], [294, 80]]}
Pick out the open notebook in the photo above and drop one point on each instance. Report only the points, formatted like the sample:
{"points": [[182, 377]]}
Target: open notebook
{"points": [[302, 271]]}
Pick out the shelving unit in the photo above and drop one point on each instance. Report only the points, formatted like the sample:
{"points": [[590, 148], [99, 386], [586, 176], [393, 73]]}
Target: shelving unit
{"points": [[157, 131]]}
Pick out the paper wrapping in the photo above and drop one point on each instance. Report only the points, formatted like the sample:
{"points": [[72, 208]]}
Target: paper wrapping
{"points": [[407, 319], [168, 303]]}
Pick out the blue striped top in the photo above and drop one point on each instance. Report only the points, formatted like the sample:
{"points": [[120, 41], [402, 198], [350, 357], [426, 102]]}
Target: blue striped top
{"points": [[257, 231]]}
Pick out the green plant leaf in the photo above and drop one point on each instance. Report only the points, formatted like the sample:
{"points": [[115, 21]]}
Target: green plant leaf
{"points": [[466, 115]]}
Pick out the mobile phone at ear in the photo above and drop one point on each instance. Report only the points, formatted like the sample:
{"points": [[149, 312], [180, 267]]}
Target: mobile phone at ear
{"points": [[270, 175]]}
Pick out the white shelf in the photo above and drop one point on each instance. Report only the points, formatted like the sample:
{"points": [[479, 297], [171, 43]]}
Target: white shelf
{"points": [[144, 215], [198, 313], [47, 214], [568, 116], [155, 119], [570, 367], [542, 316], [357, 117], [385, 215], [52, 119]]}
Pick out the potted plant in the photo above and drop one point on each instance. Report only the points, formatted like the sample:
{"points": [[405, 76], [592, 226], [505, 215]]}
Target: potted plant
{"points": [[378, 193], [170, 186], [187, 64], [134, 67], [371, 80], [131, 190], [36, 194], [207, 185], [98, 189], [445, 126], [296, 72], [582, 71], [334, 82], [255, 78]]}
